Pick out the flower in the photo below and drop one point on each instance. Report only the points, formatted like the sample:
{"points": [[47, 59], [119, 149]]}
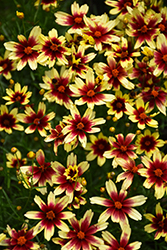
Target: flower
{"points": [[18, 95], [118, 207], [9, 120], [52, 48], [57, 86], [148, 143], [81, 235], [6, 66], [77, 126], [89, 92], [121, 148], [39, 175], [26, 51], [15, 161], [98, 146], [155, 173], [39, 121], [121, 6], [51, 214], [46, 4], [75, 20], [68, 178]]}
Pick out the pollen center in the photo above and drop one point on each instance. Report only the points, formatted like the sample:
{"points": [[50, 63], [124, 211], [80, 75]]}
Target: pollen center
{"points": [[78, 19], [158, 172], [161, 224], [124, 54], [127, 4], [144, 29], [147, 143], [123, 148], [5, 66], [37, 121], [81, 235], [61, 89], [154, 93], [90, 93], [164, 58], [118, 205], [115, 72], [97, 34], [161, 27], [71, 173], [80, 125], [50, 215], [119, 105], [54, 47], [134, 169], [6, 122], [121, 248], [18, 98], [101, 146], [21, 240], [28, 50], [143, 116]]}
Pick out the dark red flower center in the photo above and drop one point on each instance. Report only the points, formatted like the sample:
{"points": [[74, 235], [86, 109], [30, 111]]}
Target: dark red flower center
{"points": [[97, 33], [158, 172], [90, 93], [124, 54], [80, 125], [54, 47], [119, 105], [78, 20], [143, 116], [161, 223], [5, 66], [161, 27], [118, 204], [123, 148], [121, 248], [43, 168], [81, 235], [28, 50], [154, 93], [21, 240], [6, 122], [164, 58], [50, 215], [134, 169], [101, 146], [127, 4], [18, 98], [61, 89], [36, 121], [115, 72], [147, 143], [144, 29]]}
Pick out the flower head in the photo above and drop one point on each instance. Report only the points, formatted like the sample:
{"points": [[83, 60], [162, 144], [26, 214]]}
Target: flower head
{"points": [[46, 3], [7, 65], [16, 160]]}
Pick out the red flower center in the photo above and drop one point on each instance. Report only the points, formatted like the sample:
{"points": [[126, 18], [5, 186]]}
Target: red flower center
{"points": [[161, 224], [61, 89], [54, 47], [90, 93], [154, 93], [158, 172], [42, 167], [37, 121], [80, 125], [81, 235], [21, 240], [124, 54], [5, 66], [143, 116], [28, 50], [101, 146], [121, 248], [6, 122], [78, 19], [118, 205], [147, 143], [144, 29], [97, 33], [161, 27], [119, 105], [123, 148], [134, 169], [164, 58], [127, 4], [50, 215], [18, 98], [115, 72]]}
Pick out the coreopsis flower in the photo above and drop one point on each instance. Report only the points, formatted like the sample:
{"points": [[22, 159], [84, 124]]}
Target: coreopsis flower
{"points": [[21, 239], [81, 233], [157, 222], [101, 30], [155, 96], [6, 66], [155, 173], [38, 120], [121, 148], [75, 20], [120, 6], [9, 120], [140, 114], [17, 95], [89, 92], [26, 51], [130, 169], [67, 178], [112, 244], [57, 87], [115, 74], [52, 49], [97, 146], [117, 105], [41, 174], [15, 160], [78, 199], [51, 215], [143, 27], [46, 4], [162, 25], [148, 143], [118, 207], [78, 126]]}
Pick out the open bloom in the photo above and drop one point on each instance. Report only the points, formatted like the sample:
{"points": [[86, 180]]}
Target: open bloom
{"points": [[81, 234], [120, 6], [51, 215], [18, 95], [78, 126], [46, 3], [118, 207], [26, 51], [16, 160], [38, 120], [6, 66], [155, 173]]}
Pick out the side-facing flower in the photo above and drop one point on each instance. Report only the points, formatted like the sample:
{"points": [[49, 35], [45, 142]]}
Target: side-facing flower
{"points": [[78, 126], [81, 234], [38, 120], [15, 160], [26, 51], [51, 215], [46, 4], [6, 66], [121, 6]]}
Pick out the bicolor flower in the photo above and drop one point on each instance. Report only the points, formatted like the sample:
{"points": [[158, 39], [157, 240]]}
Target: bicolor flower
{"points": [[9, 120], [26, 51], [17, 95], [46, 4], [38, 120], [81, 233], [121, 6], [15, 160], [51, 215], [78, 126], [118, 206], [6, 66]]}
